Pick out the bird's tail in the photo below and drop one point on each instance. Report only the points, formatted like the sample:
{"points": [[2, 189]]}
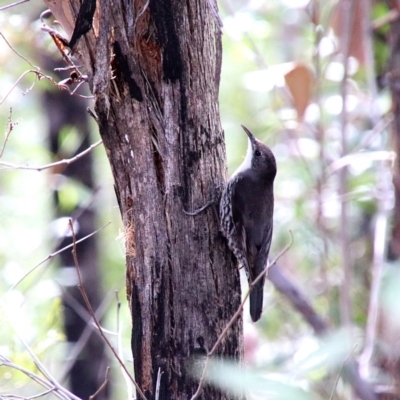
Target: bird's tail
{"points": [[256, 300]]}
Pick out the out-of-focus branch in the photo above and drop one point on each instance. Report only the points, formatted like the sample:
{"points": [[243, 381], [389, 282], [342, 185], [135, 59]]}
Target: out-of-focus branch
{"points": [[384, 202], [292, 293], [13, 5], [232, 320], [10, 127], [93, 315], [345, 289], [52, 255], [65, 162], [299, 302]]}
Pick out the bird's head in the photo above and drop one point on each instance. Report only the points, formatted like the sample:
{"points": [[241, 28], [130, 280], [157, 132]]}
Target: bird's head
{"points": [[259, 157]]}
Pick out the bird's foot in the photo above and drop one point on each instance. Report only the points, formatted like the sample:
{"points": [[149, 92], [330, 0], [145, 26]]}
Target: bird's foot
{"points": [[215, 200]]}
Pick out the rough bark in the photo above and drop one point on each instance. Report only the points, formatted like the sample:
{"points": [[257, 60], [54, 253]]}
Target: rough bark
{"points": [[159, 121]]}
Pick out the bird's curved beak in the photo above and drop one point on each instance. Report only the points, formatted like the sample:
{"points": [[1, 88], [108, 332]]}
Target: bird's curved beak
{"points": [[250, 136]]}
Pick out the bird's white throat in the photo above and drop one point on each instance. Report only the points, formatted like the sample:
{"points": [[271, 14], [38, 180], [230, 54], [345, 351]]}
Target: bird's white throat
{"points": [[246, 164]]}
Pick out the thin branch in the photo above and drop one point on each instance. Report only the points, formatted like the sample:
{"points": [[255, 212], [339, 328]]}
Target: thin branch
{"points": [[10, 127], [13, 5], [36, 396], [299, 302], [63, 85], [17, 81], [89, 306], [7, 363], [384, 190], [159, 373], [235, 317], [46, 373], [86, 334], [389, 17], [345, 289], [52, 255], [103, 385], [338, 376], [18, 54], [67, 161], [351, 369], [361, 159]]}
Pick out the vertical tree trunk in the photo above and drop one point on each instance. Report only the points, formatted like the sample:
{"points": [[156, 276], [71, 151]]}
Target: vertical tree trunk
{"points": [[159, 120]]}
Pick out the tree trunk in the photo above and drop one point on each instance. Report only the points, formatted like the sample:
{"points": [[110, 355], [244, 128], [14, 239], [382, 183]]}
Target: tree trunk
{"points": [[159, 121]]}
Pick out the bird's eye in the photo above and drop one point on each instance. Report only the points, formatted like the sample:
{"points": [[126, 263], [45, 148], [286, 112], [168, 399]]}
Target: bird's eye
{"points": [[257, 153]]}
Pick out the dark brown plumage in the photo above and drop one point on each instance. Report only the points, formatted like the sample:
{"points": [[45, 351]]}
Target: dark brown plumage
{"points": [[246, 211]]}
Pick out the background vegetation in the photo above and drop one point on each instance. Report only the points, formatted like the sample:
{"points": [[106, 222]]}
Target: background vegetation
{"points": [[312, 80]]}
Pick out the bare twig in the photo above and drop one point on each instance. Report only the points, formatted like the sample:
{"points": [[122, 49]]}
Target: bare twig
{"points": [[89, 306], [384, 207], [52, 255], [7, 363], [299, 302], [18, 54], [13, 5], [10, 127], [102, 386], [338, 376], [159, 374], [86, 334], [360, 158], [46, 373], [234, 318], [39, 75], [345, 289], [67, 161], [389, 17]]}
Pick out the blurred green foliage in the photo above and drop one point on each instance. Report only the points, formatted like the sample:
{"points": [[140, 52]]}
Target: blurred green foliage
{"points": [[261, 41]]}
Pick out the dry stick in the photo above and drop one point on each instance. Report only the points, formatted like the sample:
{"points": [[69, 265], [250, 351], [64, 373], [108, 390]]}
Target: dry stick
{"points": [[284, 286], [83, 206], [345, 288], [36, 396], [84, 337], [338, 376], [13, 4], [89, 306], [18, 80], [102, 386], [382, 194], [235, 317], [67, 161], [10, 127], [39, 75], [7, 363], [159, 373], [18, 54], [46, 373], [50, 256]]}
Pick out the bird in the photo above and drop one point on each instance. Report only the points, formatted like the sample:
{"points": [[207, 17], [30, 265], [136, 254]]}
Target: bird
{"points": [[246, 215]]}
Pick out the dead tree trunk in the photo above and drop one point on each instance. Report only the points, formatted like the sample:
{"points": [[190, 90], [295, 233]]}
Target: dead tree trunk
{"points": [[153, 67]]}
